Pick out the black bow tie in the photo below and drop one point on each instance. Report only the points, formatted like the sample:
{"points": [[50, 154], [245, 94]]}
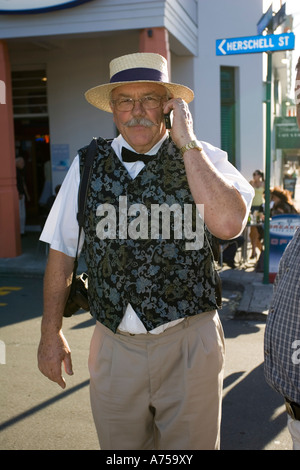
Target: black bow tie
{"points": [[129, 156]]}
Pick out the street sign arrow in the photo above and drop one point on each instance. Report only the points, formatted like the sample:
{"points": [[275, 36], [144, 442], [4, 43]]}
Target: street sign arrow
{"points": [[255, 44], [220, 47]]}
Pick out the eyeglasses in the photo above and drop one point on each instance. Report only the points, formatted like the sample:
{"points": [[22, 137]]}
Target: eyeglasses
{"points": [[148, 102]]}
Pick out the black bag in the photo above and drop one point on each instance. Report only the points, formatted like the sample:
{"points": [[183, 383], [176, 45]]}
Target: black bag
{"points": [[78, 296]]}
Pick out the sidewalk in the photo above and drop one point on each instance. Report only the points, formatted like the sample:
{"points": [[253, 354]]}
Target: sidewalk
{"points": [[32, 261], [255, 297]]}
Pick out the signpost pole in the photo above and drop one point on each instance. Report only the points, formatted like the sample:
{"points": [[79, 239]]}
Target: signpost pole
{"points": [[267, 170]]}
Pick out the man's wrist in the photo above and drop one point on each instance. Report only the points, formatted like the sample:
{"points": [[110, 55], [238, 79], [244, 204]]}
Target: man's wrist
{"points": [[193, 144]]}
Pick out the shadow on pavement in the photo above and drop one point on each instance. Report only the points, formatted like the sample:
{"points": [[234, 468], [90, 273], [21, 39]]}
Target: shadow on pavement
{"points": [[42, 405]]}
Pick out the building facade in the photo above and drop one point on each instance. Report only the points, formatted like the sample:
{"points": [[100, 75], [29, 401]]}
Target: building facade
{"points": [[50, 57]]}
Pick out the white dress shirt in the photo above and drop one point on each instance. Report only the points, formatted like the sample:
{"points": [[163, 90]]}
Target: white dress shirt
{"points": [[61, 228]]}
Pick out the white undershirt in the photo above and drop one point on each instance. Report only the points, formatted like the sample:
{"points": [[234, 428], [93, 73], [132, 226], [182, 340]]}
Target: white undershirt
{"points": [[61, 228]]}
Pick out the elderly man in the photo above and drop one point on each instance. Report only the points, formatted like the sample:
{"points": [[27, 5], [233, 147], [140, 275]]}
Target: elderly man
{"points": [[157, 352], [282, 334]]}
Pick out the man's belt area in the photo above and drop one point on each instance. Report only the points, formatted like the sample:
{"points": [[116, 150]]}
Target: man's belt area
{"points": [[292, 409]]}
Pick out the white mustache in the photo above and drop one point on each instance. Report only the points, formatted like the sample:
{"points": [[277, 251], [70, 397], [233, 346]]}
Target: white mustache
{"points": [[140, 121]]}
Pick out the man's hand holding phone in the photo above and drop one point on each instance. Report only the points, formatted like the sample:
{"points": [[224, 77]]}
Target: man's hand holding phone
{"points": [[181, 126]]}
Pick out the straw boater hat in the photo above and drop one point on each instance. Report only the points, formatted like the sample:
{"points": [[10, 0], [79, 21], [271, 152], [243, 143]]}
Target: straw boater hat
{"points": [[142, 67]]}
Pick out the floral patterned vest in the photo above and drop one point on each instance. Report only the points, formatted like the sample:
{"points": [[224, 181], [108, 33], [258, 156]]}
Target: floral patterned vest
{"points": [[160, 276]]}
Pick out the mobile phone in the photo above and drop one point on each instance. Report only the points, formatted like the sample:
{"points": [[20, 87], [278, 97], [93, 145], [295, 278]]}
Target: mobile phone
{"points": [[168, 120]]}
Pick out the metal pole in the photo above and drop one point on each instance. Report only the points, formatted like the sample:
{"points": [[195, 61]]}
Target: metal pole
{"points": [[267, 171]]}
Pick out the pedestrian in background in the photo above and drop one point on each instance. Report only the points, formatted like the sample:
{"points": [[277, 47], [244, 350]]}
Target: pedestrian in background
{"points": [[258, 183], [282, 333], [157, 353], [282, 202]]}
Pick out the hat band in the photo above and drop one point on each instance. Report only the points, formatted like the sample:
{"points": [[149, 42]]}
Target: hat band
{"points": [[139, 73]]}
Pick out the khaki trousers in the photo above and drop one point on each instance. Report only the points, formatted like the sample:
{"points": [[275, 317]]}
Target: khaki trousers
{"points": [[158, 391]]}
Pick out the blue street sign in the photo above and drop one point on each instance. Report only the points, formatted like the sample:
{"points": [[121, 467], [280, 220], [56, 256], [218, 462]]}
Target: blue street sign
{"points": [[255, 44]]}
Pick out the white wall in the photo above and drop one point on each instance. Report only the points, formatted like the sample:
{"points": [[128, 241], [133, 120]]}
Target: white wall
{"points": [[178, 16]]}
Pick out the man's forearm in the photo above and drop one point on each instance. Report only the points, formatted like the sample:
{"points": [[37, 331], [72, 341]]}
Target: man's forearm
{"points": [[224, 208], [57, 281], [53, 348]]}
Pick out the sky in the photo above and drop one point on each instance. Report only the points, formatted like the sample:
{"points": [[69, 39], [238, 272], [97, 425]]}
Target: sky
{"points": [[292, 6]]}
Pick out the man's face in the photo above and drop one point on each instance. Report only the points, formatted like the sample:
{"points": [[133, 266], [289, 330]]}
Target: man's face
{"points": [[141, 128]]}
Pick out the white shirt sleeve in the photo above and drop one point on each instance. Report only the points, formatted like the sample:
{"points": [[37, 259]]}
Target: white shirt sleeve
{"points": [[61, 227], [220, 160]]}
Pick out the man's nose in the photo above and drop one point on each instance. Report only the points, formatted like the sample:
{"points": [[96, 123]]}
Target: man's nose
{"points": [[138, 108]]}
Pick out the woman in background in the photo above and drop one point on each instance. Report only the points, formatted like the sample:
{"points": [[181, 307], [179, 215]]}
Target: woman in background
{"points": [[282, 202]]}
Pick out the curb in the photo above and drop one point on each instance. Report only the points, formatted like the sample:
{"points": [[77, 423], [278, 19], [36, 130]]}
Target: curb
{"points": [[244, 310]]}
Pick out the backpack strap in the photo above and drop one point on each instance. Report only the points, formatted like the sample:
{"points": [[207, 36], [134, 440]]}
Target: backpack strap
{"points": [[92, 151]]}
